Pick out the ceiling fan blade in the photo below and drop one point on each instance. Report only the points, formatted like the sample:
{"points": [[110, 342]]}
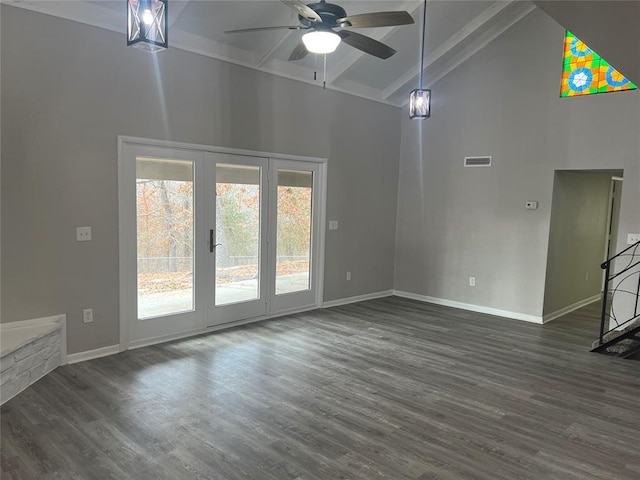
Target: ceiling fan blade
{"points": [[366, 44], [258, 29], [303, 10], [298, 53], [376, 19]]}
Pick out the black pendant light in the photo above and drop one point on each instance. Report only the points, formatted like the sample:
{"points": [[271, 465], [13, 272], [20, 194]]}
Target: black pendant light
{"points": [[420, 98], [147, 24]]}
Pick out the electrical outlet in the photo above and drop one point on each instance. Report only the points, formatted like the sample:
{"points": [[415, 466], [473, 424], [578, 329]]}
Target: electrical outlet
{"points": [[348, 275], [633, 238], [87, 315], [333, 224], [83, 234], [531, 205], [472, 281]]}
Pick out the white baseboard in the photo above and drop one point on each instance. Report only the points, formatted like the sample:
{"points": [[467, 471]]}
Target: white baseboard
{"points": [[92, 354], [358, 298], [113, 349], [147, 342], [468, 306], [570, 308]]}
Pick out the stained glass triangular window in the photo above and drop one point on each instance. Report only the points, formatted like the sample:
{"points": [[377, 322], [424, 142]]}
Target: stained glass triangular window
{"points": [[585, 72]]}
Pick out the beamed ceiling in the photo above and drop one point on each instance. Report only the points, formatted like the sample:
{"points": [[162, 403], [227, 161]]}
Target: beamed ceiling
{"points": [[456, 29]]}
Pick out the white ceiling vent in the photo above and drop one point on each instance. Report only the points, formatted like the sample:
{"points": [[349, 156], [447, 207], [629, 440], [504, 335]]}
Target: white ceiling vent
{"points": [[477, 161]]}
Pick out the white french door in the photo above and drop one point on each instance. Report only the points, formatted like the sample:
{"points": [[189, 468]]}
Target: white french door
{"points": [[261, 241], [238, 235], [209, 239]]}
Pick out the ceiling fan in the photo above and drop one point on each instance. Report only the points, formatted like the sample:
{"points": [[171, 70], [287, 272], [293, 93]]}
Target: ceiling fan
{"points": [[322, 17]]}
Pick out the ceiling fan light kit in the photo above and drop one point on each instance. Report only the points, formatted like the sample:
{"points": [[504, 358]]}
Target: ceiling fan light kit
{"points": [[322, 18], [321, 41], [147, 27]]}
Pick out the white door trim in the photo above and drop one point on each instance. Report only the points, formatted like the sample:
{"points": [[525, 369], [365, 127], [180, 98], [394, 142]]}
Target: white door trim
{"points": [[122, 139], [127, 234]]}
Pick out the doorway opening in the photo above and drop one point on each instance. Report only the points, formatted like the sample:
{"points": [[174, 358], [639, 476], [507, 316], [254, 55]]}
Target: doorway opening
{"points": [[583, 233]]}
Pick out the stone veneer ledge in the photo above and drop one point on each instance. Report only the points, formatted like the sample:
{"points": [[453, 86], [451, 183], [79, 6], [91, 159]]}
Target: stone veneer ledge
{"points": [[28, 359]]}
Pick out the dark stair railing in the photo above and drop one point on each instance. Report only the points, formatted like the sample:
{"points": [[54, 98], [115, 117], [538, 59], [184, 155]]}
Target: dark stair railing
{"points": [[627, 342]]}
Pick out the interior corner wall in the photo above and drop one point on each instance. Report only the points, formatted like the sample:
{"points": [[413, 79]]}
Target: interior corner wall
{"points": [[577, 239], [69, 90], [456, 222]]}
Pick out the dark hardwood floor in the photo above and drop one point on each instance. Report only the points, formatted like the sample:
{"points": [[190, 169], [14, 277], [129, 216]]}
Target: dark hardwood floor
{"points": [[384, 389]]}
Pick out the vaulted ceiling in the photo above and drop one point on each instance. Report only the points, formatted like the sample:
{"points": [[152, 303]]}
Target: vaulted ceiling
{"points": [[456, 29]]}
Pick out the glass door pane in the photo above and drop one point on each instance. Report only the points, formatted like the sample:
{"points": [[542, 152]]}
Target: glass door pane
{"points": [[237, 233], [165, 239], [293, 242]]}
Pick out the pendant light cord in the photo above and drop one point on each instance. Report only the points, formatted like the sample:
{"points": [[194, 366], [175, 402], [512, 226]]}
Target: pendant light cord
{"points": [[424, 30]]}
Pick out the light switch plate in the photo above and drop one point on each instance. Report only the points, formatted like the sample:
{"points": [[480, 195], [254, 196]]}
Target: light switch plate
{"points": [[83, 234], [87, 315], [633, 238]]}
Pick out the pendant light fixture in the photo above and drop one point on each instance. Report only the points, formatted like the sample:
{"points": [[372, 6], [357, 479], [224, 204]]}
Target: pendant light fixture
{"points": [[147, 24], [420, 98]]}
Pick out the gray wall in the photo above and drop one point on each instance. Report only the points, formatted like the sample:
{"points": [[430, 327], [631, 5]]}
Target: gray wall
{"points": [[454, 222], [577, 238], [69, 89]]}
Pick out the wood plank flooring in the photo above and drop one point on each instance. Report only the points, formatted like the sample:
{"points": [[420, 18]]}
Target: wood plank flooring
{"points": [[384, 389]]}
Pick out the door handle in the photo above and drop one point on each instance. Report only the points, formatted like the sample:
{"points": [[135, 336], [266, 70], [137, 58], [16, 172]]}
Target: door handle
{"points": [[212, 246]]}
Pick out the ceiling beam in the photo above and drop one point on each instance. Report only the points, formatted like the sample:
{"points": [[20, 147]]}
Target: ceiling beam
{"points": [[83, 12], [90, 13], [267, 56], [521, 10], [352, 58], [462, 34]]}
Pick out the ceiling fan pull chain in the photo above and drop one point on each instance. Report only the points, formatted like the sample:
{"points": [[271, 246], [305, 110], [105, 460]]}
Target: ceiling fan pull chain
{"points": [[324, 78], [315, 67]]}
